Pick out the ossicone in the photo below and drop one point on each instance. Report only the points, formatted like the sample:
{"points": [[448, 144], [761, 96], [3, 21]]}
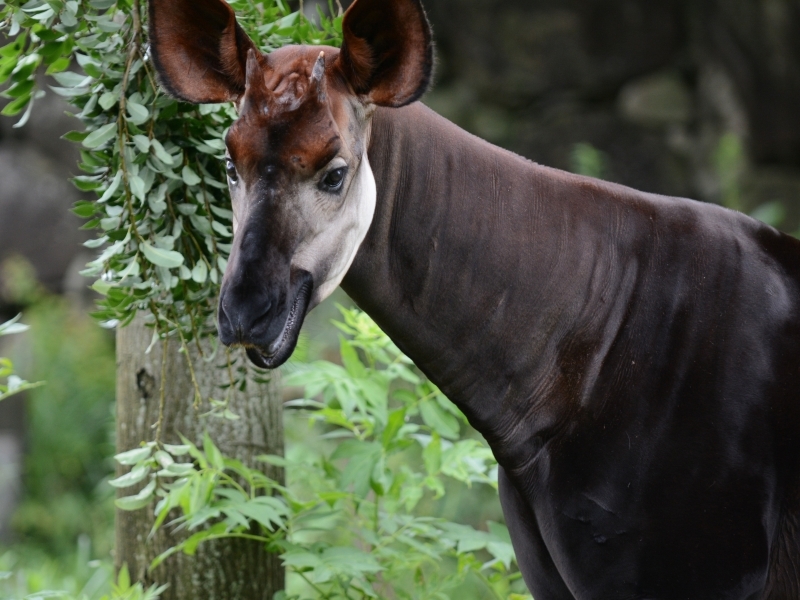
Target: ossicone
{"points": [[256, 92]]}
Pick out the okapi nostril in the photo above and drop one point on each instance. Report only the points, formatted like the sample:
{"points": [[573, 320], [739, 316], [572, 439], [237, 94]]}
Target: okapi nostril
{"points": [[249, 319]]}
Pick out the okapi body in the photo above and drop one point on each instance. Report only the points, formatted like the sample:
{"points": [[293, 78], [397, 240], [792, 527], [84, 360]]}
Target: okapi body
{"points": [[633, 360]]}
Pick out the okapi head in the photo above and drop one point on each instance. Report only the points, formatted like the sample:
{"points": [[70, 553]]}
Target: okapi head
{"points": [[301, 185]]}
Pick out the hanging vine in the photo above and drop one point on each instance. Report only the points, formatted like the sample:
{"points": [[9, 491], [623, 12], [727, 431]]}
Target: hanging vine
{"points": [[162, 212]]}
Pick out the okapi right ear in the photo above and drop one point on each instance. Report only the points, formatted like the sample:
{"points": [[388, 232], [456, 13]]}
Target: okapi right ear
{"points": [[387, 54], [198, 49]]}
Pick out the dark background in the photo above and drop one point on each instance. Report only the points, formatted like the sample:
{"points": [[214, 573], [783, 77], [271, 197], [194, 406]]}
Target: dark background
{"points": [[682, 97]]}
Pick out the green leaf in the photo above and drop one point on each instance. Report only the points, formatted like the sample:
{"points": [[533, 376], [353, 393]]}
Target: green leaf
{"points": [[100, 136], [162, 258], [438, 420], [397, 419], [213, 454], [112, 188], [108, 99], [265, 510], [200, 272], [135, 456], [137, 113], [15, 107], [75, 136], [136, 475], [358, 472], [161, 153], [137, 188], [350, 359], [190, 178], [138, 501], [432, 455], [59, 66], [142, 143]]}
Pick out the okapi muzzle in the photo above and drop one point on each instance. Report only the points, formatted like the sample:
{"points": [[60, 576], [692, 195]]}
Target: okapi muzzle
{"points": [[263, 300]]}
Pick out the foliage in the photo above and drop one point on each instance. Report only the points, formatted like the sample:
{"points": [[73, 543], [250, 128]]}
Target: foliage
{"points": [[347, 524], [47, 582], [162, 214], [13, 383], [69, 431]]}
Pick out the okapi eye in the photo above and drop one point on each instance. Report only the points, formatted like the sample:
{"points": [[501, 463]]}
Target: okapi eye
{"points": [[231, 169], [333, 180]]}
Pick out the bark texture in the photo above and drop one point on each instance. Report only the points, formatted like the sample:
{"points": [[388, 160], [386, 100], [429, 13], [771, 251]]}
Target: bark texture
{"points": [[224, 569]]}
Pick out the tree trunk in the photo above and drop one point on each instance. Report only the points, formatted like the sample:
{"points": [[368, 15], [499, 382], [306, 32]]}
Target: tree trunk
{"points": [[229, 569]]}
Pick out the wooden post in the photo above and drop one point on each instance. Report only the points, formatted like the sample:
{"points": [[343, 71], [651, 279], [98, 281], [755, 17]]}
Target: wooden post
{"points": [[229, 569]]}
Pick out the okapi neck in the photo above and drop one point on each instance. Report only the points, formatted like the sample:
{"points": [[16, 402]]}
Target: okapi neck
{"points": [[476, 261]]}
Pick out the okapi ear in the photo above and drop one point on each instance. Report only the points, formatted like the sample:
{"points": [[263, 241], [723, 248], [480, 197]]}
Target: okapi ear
{"points": [[198, 49], [387, 54]]}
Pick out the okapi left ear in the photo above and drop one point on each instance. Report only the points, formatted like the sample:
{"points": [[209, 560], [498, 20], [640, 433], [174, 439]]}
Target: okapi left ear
{"points": [[198, 49], [387, 54]]}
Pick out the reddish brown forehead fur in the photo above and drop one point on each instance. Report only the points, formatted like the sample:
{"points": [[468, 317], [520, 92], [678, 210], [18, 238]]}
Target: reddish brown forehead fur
{"points": [[287, 120]]}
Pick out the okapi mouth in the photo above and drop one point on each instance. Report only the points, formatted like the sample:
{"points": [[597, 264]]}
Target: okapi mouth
{"points": [[279, 351]]}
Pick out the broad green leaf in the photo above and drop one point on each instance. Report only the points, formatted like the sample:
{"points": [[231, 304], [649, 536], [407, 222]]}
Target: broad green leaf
{"points": [[161, 153], [108, 99], [438, 420], [112, 188], [100, 136], [137, 113], [358, 472], [136, 475], [350, 358], [142, 143], [139, 500], [212, 453], [432, 455], [133, 457], [163, 258], [137, 187], [180, 450], [189, 176], [200, 272]]}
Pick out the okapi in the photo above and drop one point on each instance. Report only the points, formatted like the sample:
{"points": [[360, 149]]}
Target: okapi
{"points": [[632, 360]]}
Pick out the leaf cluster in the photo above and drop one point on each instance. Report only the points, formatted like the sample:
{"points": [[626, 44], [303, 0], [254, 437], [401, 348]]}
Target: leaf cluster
{"points": [[353, 520], [161, 209], [123, 589], [13, 383]]}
